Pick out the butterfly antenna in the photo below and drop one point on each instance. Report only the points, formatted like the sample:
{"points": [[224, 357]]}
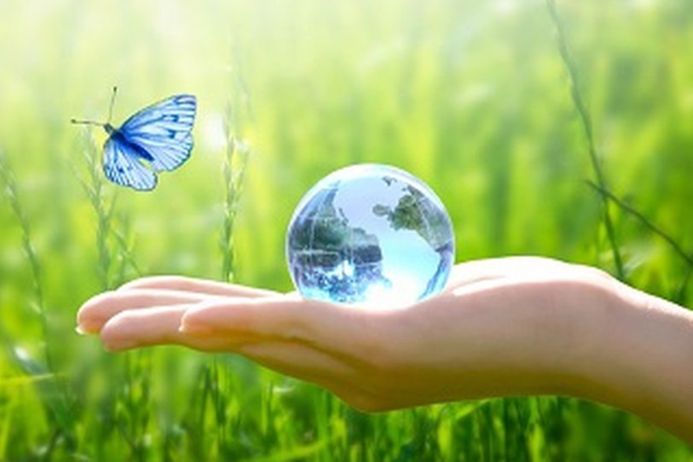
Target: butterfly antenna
{"points": [[110, 107], [86, 122]]}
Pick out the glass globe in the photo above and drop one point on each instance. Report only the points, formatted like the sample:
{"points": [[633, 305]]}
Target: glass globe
{"points": [[372, 235]]}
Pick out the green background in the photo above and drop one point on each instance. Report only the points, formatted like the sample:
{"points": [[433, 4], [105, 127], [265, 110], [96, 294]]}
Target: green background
{"points": [[474, 97]]}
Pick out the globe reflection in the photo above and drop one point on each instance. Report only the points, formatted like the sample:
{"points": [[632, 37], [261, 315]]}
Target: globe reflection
{"points": [[372, 235]]}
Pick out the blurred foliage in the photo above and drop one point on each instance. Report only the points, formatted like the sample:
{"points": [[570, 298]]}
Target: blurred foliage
{"points": [[473, 97]]}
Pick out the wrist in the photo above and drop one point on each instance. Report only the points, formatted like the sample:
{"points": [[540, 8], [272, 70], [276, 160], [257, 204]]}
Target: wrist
{"points": [[634, 356]]}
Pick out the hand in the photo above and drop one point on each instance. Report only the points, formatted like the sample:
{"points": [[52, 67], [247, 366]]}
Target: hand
{"points": [[510, 326]]}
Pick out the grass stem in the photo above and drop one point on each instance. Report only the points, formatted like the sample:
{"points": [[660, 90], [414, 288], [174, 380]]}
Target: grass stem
{"points": [[676, 247], [586, 121]]}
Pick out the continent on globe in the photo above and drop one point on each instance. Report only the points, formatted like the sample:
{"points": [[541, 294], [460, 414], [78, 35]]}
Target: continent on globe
{"points": [[413, 211], [370, 235], [336, 258]]}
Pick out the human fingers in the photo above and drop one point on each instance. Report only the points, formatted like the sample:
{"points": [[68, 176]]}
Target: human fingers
{"points": [[157, 325], [203, 286], [350, 332], [96, 311], [160, 326]]}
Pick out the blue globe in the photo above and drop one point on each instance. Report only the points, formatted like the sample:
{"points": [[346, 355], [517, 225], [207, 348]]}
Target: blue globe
{"points": [[372, 235]]}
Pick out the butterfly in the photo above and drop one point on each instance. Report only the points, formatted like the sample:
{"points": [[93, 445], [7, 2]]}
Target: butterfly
{"points": [[155, 139]]}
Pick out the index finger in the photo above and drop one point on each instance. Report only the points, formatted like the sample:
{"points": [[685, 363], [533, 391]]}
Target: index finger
{"points": [[205, 286]]}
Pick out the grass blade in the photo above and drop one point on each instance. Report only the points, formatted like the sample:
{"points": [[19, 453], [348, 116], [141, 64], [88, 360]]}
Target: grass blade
{"points": [[685, 256], [586, 121]]}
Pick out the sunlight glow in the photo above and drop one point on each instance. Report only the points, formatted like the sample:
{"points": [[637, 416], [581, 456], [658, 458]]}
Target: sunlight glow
{"points": [[213, 136]]}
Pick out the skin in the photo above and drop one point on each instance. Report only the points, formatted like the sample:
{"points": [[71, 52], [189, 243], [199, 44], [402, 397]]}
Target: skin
{"points": [[503, 327]]}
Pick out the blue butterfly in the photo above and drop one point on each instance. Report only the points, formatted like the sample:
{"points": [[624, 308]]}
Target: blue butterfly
{"points": [[155, 139]]}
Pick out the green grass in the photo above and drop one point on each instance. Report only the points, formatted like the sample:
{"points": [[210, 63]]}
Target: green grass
{"points": [[563, 133]]}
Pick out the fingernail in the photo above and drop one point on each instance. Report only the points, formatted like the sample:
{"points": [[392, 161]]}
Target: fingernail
{"points": [[194, 329], [85, 328]]}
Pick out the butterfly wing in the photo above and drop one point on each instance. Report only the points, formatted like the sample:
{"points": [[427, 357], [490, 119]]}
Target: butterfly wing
{"points": [[121, 166], [164, 131]]}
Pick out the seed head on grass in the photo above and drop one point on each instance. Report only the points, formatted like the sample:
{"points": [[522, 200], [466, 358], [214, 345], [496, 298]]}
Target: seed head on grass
{"points": [[216, 380], [11, 194], [93, 187], [235, 162], [54, 394], [121, 234], [132, 401]]}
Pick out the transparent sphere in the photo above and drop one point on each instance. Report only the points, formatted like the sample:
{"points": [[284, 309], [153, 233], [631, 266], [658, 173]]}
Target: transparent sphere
{"points": [[371, 235]]}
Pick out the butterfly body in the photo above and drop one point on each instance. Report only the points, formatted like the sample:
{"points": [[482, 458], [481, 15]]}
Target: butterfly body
{"points": [[117, 137], [155, 139]]}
